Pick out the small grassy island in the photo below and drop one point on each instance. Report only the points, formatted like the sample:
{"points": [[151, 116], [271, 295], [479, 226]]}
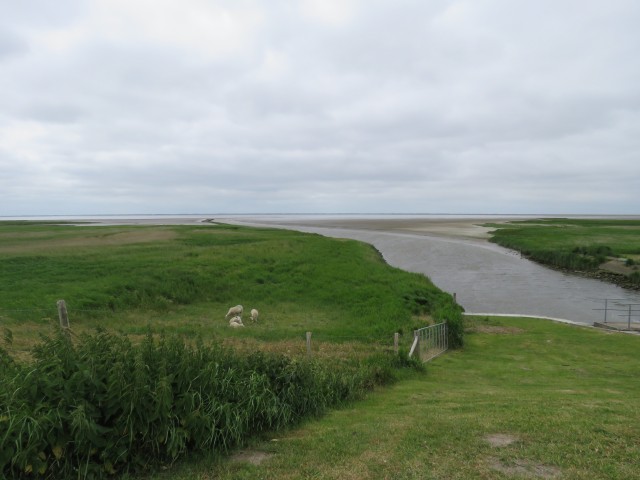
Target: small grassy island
{"points": [[608, 249]]}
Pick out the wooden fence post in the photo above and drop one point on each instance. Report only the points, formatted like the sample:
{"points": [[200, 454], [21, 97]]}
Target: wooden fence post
{"points": [[62, 313], [396, 341], [309, 344]]}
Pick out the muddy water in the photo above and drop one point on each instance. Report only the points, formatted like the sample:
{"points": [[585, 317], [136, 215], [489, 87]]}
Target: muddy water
{"points": [[487, 278]]}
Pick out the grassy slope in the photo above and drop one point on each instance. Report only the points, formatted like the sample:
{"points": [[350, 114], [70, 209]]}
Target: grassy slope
{"points": [[184, 278], [566, 395]]}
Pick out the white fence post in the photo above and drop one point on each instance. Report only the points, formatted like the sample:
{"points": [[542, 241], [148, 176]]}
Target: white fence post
{"points": [[62, 313], [416, 341]]}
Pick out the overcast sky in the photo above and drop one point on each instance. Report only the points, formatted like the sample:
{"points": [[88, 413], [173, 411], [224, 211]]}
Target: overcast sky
{"points": [[319, 106]]}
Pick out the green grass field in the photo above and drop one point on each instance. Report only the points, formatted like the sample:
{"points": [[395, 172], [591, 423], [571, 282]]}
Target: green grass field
{"points": [[524, 399], [183, 279], [152, 370]]}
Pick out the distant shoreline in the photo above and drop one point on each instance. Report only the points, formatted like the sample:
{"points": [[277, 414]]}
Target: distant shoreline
{"points": [[469, 228], [310, 216], [462, 226]]}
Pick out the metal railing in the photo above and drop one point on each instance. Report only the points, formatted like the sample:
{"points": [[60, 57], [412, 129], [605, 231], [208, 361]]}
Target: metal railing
{"points": [[429, 342], [626, 312]]}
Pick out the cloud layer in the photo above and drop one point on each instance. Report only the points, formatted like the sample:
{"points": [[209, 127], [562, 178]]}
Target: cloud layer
{"points": [[156, 106]]}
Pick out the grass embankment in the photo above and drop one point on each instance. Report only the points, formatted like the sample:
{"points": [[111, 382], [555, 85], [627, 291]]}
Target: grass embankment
{"points": [[102, 404], [183, 279], [608, 249], [523, 399]]}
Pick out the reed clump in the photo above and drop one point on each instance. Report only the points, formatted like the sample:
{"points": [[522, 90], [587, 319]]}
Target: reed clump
{"points": [[101, 405]]}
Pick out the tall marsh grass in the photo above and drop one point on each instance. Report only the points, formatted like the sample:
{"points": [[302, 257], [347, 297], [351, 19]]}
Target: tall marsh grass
{"points": [[101, 405]]}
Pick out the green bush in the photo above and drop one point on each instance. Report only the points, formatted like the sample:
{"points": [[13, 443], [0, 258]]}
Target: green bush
{"points": [[447, 310]]}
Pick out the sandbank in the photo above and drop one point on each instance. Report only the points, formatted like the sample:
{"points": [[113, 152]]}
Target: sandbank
{"points": [[464, 228], [452, 227]]}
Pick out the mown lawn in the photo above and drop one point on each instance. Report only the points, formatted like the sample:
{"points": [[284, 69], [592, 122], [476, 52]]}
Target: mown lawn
{"points": [[524, 399]]}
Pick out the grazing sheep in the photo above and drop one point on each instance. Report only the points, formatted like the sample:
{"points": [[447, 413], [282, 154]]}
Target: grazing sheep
{"points": [[254, 314], [234, 311], [236, 322]]}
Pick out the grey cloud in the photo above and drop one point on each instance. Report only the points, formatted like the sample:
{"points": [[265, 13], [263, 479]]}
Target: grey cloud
{"points": [[42, 13], [408, 106], [11, 45], [53, 112]]}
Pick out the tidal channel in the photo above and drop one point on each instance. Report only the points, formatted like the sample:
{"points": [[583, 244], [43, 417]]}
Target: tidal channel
{"points": [[487, 278]]}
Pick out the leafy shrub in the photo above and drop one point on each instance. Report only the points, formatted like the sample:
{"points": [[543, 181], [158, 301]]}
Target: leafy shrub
{"points": [[447, 309]]}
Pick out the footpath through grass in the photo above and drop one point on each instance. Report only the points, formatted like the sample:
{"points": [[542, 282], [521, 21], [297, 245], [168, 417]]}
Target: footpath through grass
{"points": [[524, 399]]}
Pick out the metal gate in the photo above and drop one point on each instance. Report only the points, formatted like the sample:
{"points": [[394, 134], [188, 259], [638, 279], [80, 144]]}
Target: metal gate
{"points": [[429, 342]]}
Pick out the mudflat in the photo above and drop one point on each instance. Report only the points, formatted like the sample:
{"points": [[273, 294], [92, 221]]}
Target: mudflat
{"points": [[463, 227], [469, 228]]}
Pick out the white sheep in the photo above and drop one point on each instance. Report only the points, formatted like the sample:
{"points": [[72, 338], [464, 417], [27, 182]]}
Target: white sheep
{"points": [[254, 314], [234, 311], [236, 322]]}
